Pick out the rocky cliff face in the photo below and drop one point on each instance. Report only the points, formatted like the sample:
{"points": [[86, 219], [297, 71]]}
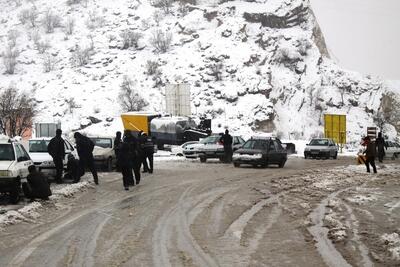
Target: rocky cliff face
{"points": [[252, 66]]}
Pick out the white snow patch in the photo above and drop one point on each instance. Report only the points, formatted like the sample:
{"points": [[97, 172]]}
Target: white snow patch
{"points": [[392, 241]]}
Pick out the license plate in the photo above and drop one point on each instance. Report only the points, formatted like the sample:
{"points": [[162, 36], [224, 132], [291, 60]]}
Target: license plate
{"points": [[314, 152], [209, 153]]}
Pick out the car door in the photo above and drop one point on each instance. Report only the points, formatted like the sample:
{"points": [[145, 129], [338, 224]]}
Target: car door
{"points": [[23, 160], [273, 156], [280, 151]]}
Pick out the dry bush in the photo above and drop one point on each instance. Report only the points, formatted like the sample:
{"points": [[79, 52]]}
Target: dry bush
{"points": [[49, 62], [165, 5], [51, 20], [12, 37], [94, 20], [151, 67], [69, 26], [30, 15], [157, 17], [161, 41], [215, 70], [129, 98], [17, 111], [10, 56], [130, 39], [81, 56], [23, 16], [42, 46], [17, 2]]}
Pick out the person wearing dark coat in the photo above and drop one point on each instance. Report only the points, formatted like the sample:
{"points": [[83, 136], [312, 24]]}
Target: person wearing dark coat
{"points": [[125, 164], [148, 149], [37, 185], [72, 172], [134, 154], [85, 147], [370, 153], [226, 140], [56, 149], [380, 146], [117, 146]]}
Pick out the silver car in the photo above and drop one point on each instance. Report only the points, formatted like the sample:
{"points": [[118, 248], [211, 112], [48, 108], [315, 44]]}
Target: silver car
{"points": [[321, 148]]}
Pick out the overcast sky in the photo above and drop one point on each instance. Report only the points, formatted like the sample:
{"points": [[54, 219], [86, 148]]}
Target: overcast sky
{"points": [[362, 35]]}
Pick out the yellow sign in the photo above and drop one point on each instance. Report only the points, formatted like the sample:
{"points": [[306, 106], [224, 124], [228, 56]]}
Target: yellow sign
{"points": [[335, 127], [137, 121]]}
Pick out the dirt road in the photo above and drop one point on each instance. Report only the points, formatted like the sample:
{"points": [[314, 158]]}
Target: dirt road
{"points": [[310, 213]]}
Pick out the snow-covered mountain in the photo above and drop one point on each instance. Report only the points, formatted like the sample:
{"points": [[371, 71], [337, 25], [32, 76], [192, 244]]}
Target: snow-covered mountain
{"points": [[252, 65]]}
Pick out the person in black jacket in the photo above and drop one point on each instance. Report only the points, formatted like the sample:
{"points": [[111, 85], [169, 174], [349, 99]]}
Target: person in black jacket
{"points": [[56, 149], [148, 148], [37, 185], [226, 140], [125, 164], [370, 153], [133, 154], [72, 172], [380, 146], [117, 146], [85, 147]]}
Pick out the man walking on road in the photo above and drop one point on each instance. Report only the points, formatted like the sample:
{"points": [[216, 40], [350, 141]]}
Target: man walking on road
{"points": [[380, 145], [133, 153], [56, 150], [125, 165], [226, 140], [148, 148], [370, 153], [117, 146], [85, 147]]}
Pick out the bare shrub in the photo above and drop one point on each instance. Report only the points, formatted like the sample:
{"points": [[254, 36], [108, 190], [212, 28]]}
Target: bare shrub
{"points": [[165, 5], [32, 16], [161, 40], [17, 111], [81, 56], [51, 20], [151, 67], [215, 70], [157, 16], [12, 37], [130, 39], [42, 46], [71, 103], [94, 20], [69, 26], [23, 16], [129, 98], [10, 56], [73, 2], [17, 2], [49, 62]]}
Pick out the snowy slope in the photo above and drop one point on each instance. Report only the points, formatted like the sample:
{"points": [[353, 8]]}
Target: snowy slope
{"points": [[273, 79]]}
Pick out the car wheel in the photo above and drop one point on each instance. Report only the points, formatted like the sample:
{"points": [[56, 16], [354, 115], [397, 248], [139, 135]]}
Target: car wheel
{"points": [[203, 159], [281, 164], [394, 156], [109, 165], [14, 197], [305, 156], [236, 164], [222, 159], [179, 155], [335, 156]]}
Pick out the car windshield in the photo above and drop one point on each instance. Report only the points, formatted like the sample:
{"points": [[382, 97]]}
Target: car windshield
{"points": [[319, 142], [102, 142], [6, 152], [254, 144], [210, 140], [39, 146]]}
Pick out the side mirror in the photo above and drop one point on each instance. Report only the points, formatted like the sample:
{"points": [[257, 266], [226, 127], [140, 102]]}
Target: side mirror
{"points": [[22, 158]]}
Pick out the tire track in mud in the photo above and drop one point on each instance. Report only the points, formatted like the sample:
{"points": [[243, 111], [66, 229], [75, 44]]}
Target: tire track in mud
{"points": [[180, 217]]}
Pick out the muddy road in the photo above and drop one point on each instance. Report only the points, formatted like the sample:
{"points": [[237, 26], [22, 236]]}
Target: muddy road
{"points": [[310, 213]]}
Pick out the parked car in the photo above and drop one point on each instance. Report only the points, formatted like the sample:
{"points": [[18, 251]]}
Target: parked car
{"points": [[392, 149], [261, 151], [321, 148], [178, 150], [103, 152], [37, 149], [14, 163], [192, 151], [215, 149]]}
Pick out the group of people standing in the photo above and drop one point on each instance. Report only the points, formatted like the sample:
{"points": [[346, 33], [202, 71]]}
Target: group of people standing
{"points": [[131, 152], [373, 149]]}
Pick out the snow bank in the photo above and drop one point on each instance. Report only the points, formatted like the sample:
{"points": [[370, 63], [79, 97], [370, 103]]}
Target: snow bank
{"points": [[31, 211]]}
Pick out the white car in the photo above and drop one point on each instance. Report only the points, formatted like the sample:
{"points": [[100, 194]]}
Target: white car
{"points": [[392, 149], [191, 151], [37, 149], [178, 150], [103, 152], [14, 163]]}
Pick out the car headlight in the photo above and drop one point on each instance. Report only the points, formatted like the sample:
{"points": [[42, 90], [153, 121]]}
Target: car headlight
{"points": [[307, 149], [257, 156], [47, 163], [235, 156], [6, 173]]}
